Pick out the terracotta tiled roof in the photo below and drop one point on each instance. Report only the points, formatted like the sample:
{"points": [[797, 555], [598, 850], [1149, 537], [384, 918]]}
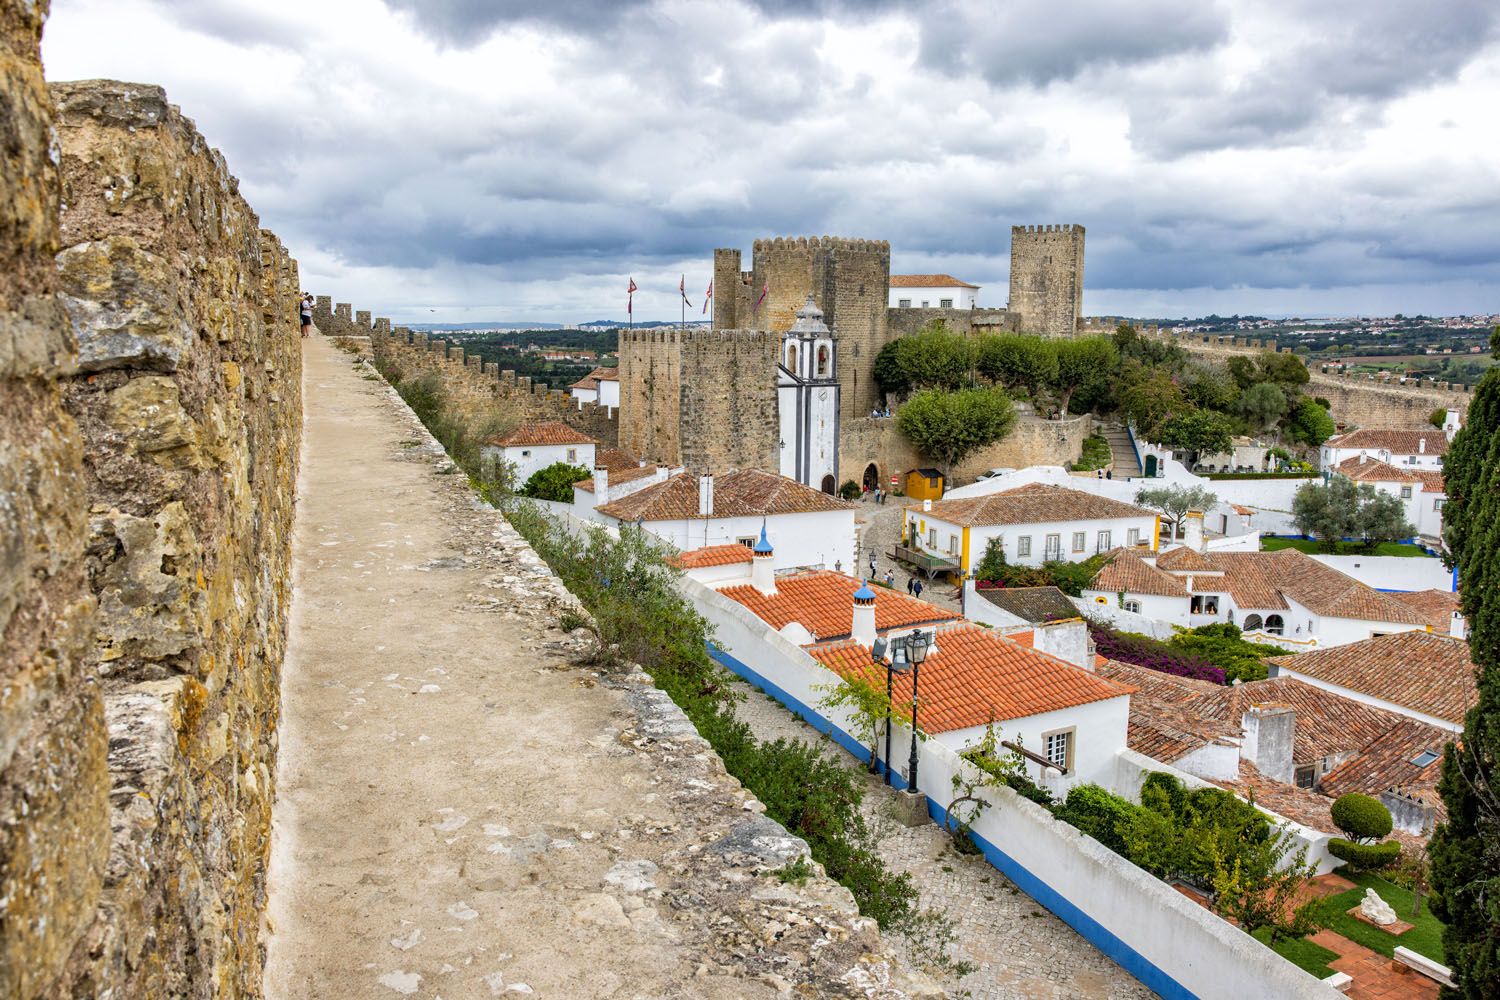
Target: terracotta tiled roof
{"points": [[1242, 509], [1031, 504], [1181, 557], [626, 475], [1300, 805], [1032, 604], [541, 432], [1389, 763], [1263, 581], [1435, 606], [1165, 721], [742, 493], [713, 555], [928, 281], [1363, 469], [1422, 671], [1127, 571], [823, 602], [1432, 480], [1397, 441], [976, 677], [1327, 723], [593, 378], [616, 459]]}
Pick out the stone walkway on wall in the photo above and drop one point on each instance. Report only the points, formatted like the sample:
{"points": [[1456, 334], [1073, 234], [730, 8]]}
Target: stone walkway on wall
{"points": [[461, 810], [1021, 951]]}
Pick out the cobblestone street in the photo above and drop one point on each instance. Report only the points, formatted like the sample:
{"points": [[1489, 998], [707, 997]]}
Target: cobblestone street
{"points": [[879, 530], [1021, 951]]}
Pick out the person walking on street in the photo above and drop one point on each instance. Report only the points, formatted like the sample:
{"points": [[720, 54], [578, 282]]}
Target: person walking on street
{"points": [[306, 309], [890, 579], [916, 588], [909, 581]]}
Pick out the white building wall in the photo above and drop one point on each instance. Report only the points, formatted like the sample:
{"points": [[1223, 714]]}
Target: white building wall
{"points": [[821, 538], [1393, 572], [584, 397], [931, 297], [1331, 457], [609, 393], [1154, 609], [1099, 734], [529, 458], [979, 537]]}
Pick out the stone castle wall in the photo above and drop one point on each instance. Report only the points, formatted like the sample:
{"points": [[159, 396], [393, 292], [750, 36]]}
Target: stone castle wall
{"points": [[1033, 441], [969, 322], [1046, 278], [650, 394], [475, 385], [153, 405]]}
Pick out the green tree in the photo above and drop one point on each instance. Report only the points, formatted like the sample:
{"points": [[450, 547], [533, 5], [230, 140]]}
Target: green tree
{"points": [[1310, 423], [1084, 369], [1174, 502], [1196, 432], [1210, 386], [1465, 851], [1019, 361], [1438, 417], [1382, 518], [1345, 509], [555, 482], [933, 358], [950, 426], [866, 701], [1149, 397], [1261, 406]]}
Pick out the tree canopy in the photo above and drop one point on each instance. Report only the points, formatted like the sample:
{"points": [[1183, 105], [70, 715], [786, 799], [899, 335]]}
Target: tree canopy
{"points": [[950, 426], [934, 358], [1175, 501], [555, 482], [1465, 850], [1345, 509], [1197, 431]]}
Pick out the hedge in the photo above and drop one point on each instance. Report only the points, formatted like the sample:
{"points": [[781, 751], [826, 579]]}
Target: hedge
{"points": [[1365, 857], [1361, 817]]}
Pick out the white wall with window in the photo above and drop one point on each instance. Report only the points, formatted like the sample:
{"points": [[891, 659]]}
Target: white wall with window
{"points": [[933, 296], [529, 458], [1050, 541]]}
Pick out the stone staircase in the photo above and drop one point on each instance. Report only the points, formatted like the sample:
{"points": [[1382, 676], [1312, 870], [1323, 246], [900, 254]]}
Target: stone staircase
{"points": [[1126, 465]]}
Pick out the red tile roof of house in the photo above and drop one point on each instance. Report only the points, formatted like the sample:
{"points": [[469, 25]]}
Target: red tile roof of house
{"points": [[1397, 441], [713, 555], [1363, 469], [1030, 504], [1165, 720], [617, 477], [1180, 558], [616, 459], [823, 602], [593, 378], [1124, 570], [977, 677], [741, 493], [1436, 606], [537, 432], [928, 281], [1422, 671]]}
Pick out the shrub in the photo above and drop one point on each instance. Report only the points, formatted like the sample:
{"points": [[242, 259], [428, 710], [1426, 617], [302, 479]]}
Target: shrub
{"points": [[1365, 857], [1361, 817], [850, 490], [555, 482], [1146, 652], [1095, 454], [1099, 813]]}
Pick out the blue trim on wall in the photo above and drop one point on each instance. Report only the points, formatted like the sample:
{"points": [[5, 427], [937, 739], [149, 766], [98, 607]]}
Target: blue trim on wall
{"points": [[1090, 929]]}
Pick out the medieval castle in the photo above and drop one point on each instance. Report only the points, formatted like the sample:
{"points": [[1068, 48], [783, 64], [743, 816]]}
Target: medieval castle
{"points": [[709, 399]]}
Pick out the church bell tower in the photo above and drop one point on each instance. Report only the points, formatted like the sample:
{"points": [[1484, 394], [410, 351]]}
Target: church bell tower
{"points": [[807, 396]]}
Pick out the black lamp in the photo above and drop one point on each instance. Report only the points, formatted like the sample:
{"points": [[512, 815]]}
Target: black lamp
{"points": [[917, 645]]}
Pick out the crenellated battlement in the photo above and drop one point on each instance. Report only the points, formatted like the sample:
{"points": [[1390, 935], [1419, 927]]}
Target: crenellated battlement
{"points": [[840, 243], [1068, 228]]}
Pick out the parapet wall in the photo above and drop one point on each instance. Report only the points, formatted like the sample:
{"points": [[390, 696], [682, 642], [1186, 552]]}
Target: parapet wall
{"points": [[153, 412], [468, 380]]}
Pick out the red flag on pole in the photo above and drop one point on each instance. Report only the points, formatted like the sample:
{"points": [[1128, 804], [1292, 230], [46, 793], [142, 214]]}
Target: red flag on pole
{"points": [[630, 299], [682, 290], [708, 295]]}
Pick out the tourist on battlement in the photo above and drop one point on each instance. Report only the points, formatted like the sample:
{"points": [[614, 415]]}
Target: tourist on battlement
{"points": [[306, 310]]}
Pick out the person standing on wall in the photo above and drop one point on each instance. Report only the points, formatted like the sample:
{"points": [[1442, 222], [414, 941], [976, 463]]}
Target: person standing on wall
{"points": [[306, 308]]}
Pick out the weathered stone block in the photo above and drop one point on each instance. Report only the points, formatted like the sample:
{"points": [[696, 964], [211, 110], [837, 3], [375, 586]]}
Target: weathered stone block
{"points": [[148, 412], [124, 306], [150, 602]]}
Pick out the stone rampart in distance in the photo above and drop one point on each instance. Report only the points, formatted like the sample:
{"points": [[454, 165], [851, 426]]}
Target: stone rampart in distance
{"points": [[475, 385], [151, 366], [1046, 277]]}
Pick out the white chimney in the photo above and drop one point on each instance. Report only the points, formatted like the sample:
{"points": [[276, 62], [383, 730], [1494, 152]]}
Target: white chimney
{"points": [[1456, 625], [1269, 732], [601, 486], [1450, 424], [862, 630], [1192, 530], [1422, 445], [926, 504], [762, 562], [705, 496]]}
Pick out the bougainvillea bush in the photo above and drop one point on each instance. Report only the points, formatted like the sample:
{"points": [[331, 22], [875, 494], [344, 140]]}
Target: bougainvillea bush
{"points": [[1153, 655]]}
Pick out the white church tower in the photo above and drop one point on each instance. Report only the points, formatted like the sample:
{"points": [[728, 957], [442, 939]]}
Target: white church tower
{"points": [[807, 397]]}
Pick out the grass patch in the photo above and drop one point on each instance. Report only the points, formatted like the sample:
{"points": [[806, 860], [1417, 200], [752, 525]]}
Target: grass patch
{"points": [[1304, 954], [1425, 937], [1313, 547]]}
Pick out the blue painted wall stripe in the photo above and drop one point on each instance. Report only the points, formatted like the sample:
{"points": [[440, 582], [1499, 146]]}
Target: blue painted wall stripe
{"points": [[1090, 929]]}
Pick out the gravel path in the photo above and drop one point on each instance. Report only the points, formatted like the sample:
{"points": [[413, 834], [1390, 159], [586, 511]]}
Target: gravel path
{"points": [[1022, 952]]}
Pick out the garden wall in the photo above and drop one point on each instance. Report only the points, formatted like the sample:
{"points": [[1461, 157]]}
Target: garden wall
{"points": [[1395, 572], [1171, 944]]}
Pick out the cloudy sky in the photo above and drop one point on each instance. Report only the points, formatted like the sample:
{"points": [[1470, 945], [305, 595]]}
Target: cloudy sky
{"points": [[458, 160]]}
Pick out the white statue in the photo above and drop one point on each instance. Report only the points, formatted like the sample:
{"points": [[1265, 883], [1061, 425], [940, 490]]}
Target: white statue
{"points": [[1377, 909]]}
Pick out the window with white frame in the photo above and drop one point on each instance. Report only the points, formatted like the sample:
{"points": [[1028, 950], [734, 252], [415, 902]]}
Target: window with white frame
{"points": [[903, 303], [1134, 607], [1057, 747], [748, 541], [945, 303], [1133, 537], [1080, 540], [1023, 545], [932, 538], [1053, 550], [953, 545], [1104, 541], [1406, 493], [1438, 503], [572, 455]]}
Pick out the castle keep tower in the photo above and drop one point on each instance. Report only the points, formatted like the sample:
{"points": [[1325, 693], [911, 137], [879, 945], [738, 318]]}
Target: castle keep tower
{"points": [[807, 401], [1046, 278], [849, 280]]}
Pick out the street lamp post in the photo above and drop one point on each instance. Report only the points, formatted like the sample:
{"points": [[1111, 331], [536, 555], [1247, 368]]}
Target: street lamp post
{"points": [[916, 649], [877, 656]]}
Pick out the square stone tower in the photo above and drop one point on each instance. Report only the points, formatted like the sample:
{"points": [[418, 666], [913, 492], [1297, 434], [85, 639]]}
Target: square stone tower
{"points": [[1046, 278]]}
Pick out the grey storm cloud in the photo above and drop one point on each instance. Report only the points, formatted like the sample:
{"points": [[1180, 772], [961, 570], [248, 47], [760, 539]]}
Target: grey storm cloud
{"points": [[482, 151]]}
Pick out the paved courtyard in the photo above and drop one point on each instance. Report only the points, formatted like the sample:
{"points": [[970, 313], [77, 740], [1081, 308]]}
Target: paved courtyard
{"points": [[1020, 950]]}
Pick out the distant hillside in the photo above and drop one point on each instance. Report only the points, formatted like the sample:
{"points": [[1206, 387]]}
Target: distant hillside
{"points": [[648, 324], [482, 326]]}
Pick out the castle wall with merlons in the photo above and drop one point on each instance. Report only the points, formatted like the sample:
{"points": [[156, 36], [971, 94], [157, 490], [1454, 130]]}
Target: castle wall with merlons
{"points": [[152, 393], [1046, 278]]}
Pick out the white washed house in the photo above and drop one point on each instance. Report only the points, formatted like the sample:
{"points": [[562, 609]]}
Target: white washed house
{"points": [[536, 444], [1036, 523], [691, 512], [600, 387], [1423, 449], [931, 291], [1421, 489]]}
